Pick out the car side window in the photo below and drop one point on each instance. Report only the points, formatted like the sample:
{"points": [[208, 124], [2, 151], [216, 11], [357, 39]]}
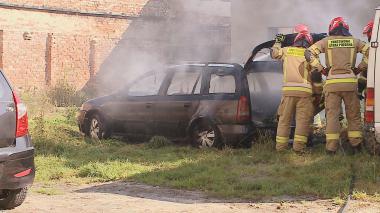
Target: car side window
{"points": [[147, 86], [222, 84], [183, 82]]}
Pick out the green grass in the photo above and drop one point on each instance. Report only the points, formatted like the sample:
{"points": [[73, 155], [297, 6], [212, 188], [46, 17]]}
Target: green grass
{"points": [[63, 155]]}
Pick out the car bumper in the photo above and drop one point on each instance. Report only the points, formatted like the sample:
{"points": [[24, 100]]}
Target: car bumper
{"points": [[14, 160], [235, 133]]}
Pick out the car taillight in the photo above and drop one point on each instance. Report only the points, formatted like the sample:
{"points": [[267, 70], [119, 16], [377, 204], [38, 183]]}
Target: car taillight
{"points": [[369, 108], [22, 117], [243, 110]]}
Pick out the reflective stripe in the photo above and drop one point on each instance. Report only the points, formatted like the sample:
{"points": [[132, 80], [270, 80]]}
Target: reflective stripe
{"points": [[296, 52], [314, 49], [332, 136], [291, 84], [343, 80], [314, 62], [282, 140], [301, 89], [300, 138], [362, 78], [355, 134], [338, 76], [318, 84], [365, 49], [365, 59]]}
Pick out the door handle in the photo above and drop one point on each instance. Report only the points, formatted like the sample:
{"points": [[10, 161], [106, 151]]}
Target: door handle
{"points": [[187, 105], [148, 105]]}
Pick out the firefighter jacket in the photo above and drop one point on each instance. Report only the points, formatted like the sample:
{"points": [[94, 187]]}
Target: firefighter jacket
{"points": [[296, 70], [340, 54]]}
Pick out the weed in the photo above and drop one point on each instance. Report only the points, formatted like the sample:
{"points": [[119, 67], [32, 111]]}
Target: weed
{"points": [[48, 191], [64, 155], [157, 142], [65, 95]]}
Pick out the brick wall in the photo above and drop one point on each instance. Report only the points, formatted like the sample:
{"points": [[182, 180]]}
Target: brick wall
{"points": [[81, 46]]}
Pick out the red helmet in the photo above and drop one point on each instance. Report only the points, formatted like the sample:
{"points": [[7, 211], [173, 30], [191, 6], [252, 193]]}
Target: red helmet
{"points": [[301, 28], [303, 39], [336, 23], [368, 30]]}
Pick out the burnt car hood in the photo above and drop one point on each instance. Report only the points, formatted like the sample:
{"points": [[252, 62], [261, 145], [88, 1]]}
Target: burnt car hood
{"points": [[100, 100]]}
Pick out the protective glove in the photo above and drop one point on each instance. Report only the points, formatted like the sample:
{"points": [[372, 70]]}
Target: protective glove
{"points": [[280, 38], [316, 76], [356, 71], [325, 71]]}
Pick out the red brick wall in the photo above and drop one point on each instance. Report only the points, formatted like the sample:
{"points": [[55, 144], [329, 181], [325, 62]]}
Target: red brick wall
{"points": [[24, 61], [149, 28]]}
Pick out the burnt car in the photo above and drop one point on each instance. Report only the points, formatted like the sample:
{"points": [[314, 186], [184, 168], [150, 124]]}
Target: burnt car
{"points": [[207, 103], [16, 150]]}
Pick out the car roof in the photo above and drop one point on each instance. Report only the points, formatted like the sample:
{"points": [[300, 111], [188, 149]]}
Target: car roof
{"points": [[208, 64], [378, 8]]}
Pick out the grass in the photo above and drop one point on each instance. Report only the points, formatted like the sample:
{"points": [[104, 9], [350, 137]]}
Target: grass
{"points": [[63, 155]]}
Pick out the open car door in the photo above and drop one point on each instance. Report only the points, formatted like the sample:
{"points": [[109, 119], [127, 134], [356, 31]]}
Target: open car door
{"points": [[265, 78]]}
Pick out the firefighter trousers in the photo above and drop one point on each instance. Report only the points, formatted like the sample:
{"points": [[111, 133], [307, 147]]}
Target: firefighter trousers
{"points": [[333, 110], [303, 109]]}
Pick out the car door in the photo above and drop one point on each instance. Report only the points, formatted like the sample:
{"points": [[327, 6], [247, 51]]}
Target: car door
{"points": [[174, 109], [132, 109]]}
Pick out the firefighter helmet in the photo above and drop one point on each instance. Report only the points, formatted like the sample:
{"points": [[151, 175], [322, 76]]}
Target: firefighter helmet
{"points": [[303, 39], [368, 30], [301, 28], [339, 26]]}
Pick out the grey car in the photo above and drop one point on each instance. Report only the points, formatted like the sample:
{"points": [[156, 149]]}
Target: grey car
{"points": [[16, 151]]}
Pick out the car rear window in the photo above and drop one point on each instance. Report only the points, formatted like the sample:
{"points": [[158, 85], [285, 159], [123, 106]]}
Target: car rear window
{"points": [[183, 82], [220, 84], [5, 90]]}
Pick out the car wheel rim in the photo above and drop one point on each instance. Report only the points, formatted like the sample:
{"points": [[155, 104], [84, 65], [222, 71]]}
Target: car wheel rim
{"points": [[95, 128], [206, 138]]}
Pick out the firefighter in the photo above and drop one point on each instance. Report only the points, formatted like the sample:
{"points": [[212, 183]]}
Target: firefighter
{"points": [[362, 80], [297, 92], [340, 50]]}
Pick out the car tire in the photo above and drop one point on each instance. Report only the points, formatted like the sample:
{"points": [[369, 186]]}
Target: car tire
{"points": [[205, 134], [13, 198], [97, 128]]}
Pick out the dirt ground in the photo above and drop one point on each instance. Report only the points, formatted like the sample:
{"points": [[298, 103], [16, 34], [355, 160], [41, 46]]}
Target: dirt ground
{"points": [[132, 197]]}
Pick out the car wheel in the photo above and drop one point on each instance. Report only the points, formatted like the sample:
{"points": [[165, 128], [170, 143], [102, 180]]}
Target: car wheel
{"points": [[10, 199], [204, 134], [97, 128]]}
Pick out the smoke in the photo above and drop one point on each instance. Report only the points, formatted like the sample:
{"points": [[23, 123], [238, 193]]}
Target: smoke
{"points": [[178, 31], [257, 19], [168, 32]]}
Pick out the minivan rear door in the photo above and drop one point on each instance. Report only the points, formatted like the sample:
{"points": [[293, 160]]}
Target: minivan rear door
{"points": [[7, 114], [265, 87]]}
